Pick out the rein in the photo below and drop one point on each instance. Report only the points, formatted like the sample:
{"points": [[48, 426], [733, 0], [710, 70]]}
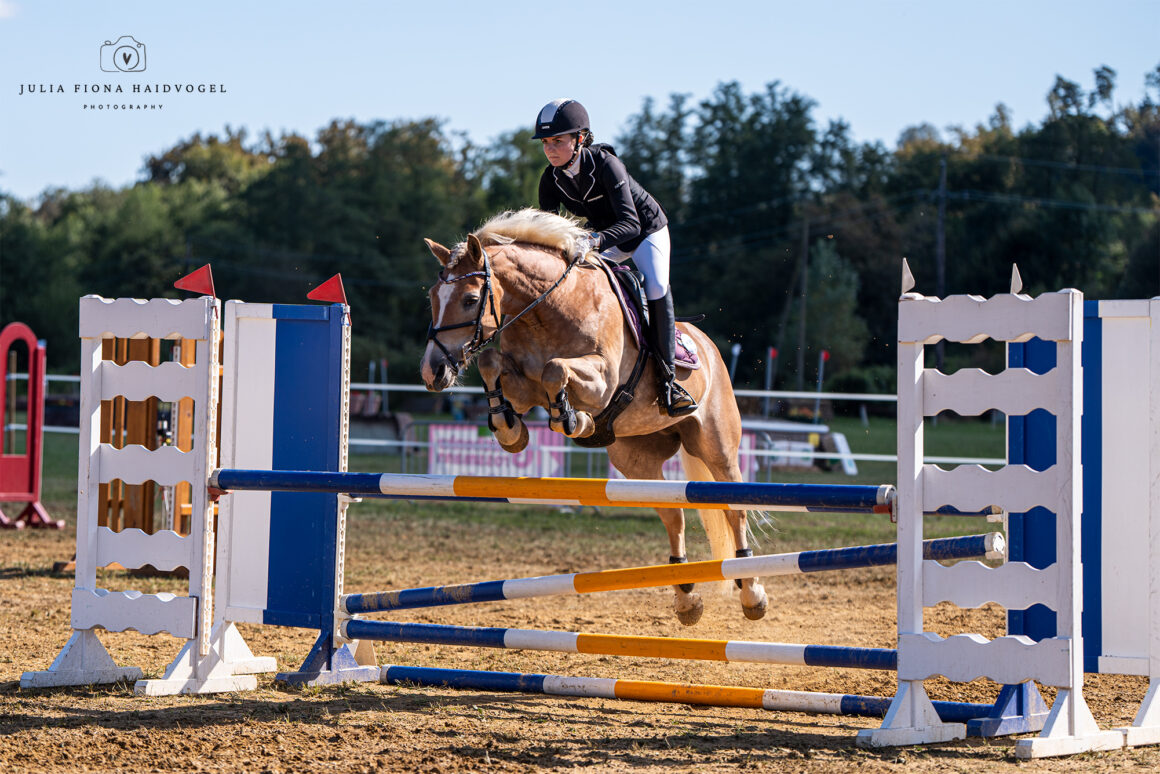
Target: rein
{"points": [[478, 340]]}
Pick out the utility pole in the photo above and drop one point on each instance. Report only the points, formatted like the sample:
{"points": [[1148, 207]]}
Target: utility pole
{"points": [[940, 256], [801, 350], [783, 318]]}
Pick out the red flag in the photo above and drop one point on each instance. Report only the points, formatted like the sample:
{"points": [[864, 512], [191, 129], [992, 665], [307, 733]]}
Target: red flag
{"points": [[200, 281], [331, 291]]}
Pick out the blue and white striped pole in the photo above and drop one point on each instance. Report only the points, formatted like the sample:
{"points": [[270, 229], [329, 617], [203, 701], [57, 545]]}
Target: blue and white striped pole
{"points": [[623, 645], [990, 545], [712, 495], [676, 693]]}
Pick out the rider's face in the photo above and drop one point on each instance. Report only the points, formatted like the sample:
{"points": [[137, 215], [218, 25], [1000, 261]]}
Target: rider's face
{"points": [[559, 149]]}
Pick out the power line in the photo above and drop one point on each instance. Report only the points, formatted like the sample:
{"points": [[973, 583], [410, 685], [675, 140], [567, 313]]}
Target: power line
{"points": [[824, 218], [1040, 201], [1140, 172]]}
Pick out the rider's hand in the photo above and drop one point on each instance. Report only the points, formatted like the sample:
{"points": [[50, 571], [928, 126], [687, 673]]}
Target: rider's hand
{"points": [[586, 243]]}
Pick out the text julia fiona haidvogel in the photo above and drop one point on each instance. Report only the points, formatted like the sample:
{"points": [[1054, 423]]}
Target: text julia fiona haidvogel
{"points": [[116, 88]]}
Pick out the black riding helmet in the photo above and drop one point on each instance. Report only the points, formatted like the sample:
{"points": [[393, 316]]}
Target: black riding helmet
{"points": [[560, 116]]}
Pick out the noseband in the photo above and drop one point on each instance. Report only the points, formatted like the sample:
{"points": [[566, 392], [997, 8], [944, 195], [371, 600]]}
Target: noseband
{"points": [[478, 339]]}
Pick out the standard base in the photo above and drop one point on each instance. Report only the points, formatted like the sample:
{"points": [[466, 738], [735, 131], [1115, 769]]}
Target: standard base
{"points": [[911, 719], [33, 515], [905, 737], [193, 685], [82, 661], [1019, 709], [328, 665], [1070, 729], [226, 668], [65, 677], [1051, 747], [1145, 729], [1137, 736]]}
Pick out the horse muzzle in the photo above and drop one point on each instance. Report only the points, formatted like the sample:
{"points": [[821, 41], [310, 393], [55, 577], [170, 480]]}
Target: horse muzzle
{"points": [[437, 371]]}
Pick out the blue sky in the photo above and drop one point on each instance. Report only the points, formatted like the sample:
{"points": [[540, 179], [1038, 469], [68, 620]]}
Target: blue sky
{"points": [[881, 65]]}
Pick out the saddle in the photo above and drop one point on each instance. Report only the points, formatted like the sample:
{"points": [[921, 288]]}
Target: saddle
{"points": [[628, 287]]}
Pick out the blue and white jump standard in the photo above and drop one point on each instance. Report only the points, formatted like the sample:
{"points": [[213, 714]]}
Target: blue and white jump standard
{"points": [[279, 560], [1015, 662]]}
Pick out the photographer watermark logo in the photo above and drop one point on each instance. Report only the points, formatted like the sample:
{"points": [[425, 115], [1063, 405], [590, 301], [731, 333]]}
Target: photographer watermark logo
{"points": [[125, 55]]}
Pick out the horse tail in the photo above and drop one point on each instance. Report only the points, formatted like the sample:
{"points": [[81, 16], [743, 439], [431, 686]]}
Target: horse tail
{"points": [[715, 523]]}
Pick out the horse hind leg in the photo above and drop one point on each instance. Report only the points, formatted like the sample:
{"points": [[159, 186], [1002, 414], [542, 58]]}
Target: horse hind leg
{"points": [[643, 457]]}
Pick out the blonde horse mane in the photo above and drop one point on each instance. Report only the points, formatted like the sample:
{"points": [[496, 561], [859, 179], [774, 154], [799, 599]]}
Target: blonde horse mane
{"points": [[536, 227]]}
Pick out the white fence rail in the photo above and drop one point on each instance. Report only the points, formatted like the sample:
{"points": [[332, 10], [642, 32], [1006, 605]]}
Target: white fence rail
{"points": [[762, 459]]}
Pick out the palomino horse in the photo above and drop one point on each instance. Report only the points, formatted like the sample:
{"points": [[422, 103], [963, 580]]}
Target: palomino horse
{"points": [[567, 347]]}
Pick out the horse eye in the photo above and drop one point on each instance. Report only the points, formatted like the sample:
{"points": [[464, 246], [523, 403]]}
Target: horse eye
{"points": [[470, 300]]}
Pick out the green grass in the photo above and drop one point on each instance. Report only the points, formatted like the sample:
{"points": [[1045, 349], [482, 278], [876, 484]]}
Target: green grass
{"points": [[789, 531], [947, 438], [58, 486]]}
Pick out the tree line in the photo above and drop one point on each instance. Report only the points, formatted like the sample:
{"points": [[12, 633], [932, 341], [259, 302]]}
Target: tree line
{"points": [[767, 207]]}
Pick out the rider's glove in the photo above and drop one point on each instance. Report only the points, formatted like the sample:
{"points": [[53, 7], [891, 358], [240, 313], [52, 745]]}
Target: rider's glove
{"points": [[586, 243]]}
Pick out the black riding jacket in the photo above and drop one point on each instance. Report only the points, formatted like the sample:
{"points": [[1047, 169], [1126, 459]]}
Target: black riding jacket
{"points": [[617, 208]]}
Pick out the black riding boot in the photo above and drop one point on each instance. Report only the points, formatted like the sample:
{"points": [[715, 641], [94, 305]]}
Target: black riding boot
{"points": [[674, 400]]}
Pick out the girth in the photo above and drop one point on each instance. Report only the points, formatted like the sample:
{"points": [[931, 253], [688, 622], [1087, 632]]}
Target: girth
{"points": [[603, 435]]}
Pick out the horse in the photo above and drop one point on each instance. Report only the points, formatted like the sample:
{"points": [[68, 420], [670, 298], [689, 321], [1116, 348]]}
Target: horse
{"points": [[567, 347]]}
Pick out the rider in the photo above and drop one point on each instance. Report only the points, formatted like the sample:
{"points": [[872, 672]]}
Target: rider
{"points": [[591, 182]]}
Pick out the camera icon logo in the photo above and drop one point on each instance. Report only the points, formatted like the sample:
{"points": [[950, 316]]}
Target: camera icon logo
{"points": [[125, 55]]}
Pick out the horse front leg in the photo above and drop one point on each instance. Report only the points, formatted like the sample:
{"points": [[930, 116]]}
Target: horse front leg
{"points": [[687, 604], [754, 601], [503, 420], [578, 380]]}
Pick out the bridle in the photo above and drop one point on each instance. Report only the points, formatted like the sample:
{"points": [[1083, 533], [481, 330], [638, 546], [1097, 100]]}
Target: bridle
{"points": [[478, 339]]}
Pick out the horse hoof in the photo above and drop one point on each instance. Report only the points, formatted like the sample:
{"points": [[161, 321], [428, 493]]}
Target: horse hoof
{"points": [[519, 444], [756, 611], [691, 612]]}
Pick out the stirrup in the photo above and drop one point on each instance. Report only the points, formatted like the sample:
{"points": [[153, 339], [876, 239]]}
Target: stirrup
{"points": [[676, 401]]}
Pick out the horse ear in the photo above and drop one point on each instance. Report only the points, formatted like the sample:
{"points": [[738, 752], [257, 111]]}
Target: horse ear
{"points": [[438, 250], [474, 247]]}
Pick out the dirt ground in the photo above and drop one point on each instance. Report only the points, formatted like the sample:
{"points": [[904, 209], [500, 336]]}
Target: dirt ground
{"points": [[372, 727]]}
